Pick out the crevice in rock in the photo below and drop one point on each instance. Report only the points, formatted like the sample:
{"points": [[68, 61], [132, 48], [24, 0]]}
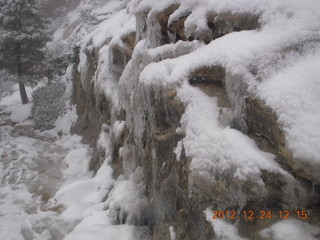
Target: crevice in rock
{"points": [[211, 81]]}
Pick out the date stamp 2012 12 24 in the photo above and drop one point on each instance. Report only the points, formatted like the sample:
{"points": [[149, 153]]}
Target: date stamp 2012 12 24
{"points": [[263, 214]]}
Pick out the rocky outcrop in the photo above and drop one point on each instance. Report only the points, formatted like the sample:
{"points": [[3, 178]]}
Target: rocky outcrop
{"points": [[92, 111], [222, 24], [150, 116], [176, 28], [211, 81], [264, 128]]}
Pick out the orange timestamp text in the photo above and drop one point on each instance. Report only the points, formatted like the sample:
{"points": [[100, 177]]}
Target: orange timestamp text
{"points": [[263, 214]]}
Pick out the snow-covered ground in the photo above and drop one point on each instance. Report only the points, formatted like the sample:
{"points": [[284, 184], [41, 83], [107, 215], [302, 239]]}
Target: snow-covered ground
{"points": [[30, 175], [46, 187]]}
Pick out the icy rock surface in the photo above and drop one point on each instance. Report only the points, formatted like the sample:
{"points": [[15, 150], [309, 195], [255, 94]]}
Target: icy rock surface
{"points": [[199, 93]]}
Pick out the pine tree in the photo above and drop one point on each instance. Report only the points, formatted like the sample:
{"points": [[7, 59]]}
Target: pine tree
{"points": [[22, 39]]}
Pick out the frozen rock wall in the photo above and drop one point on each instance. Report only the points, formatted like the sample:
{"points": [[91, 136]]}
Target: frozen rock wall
{"points": [[187, 93]]}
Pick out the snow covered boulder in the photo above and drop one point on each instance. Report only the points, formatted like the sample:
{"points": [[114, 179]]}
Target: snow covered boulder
{"points": [[21, 113]]}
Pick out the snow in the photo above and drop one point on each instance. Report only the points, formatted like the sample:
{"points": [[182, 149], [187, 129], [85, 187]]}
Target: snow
{"points": [[298, 105], [108, 28], [172, 233], [291, 230], [157, 6], [100, 231], [30, 167], [223, 230], [77, 162], [132, 202], [67, 120], [100, 42], [97, 222], [104, 81], [146, 5], [286, 80], [11, 101], [81, 193], [48, 192], [184, 9], [173, 50], [21, 113], [108, 8], [232, 151], [128, 27], [34, 189], [236, 6], [118, 127], [196, 21]]}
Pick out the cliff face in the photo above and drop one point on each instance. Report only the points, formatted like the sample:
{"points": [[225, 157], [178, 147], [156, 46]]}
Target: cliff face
{"points": [[181, 94]]}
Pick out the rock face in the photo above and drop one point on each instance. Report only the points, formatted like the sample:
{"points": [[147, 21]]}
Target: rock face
{"points": [[222, 24], [152, 114]]}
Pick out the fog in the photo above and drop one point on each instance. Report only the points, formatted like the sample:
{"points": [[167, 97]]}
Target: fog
{"points": [[57, 8]]}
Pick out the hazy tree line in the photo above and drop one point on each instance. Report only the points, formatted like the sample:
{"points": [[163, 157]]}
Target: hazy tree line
{"points": [[23, 38], [24, 33]]}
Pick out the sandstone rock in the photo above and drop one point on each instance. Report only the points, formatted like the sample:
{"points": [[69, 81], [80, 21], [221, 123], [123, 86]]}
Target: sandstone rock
{"points": [[177, 27], [157, 27], [128, 44], [211, 81], [264, 122], [92, 113], [222, 24], [166, 176], [130, 39], [163, 17], [263, 126]]}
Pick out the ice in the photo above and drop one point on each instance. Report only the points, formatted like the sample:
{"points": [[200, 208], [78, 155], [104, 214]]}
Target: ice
{"points": [[104, 80], [132, 202]]}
